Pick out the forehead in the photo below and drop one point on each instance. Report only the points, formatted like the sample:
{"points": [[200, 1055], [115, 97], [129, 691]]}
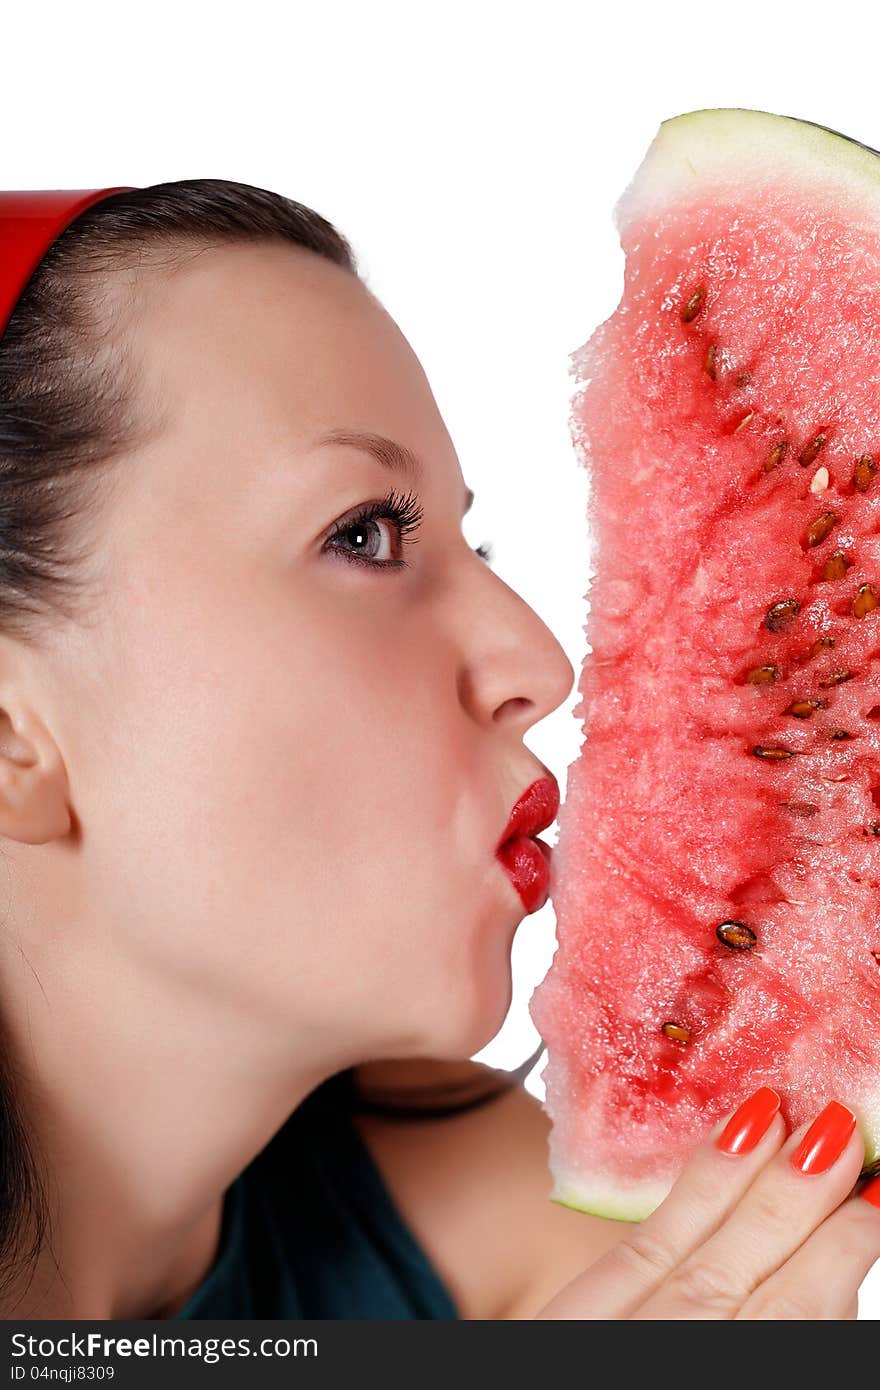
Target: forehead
{"points": [[245, 357], [272, 336]]}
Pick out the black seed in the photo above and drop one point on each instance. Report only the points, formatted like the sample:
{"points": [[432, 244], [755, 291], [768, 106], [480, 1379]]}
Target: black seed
{"points": [[744, 378], [736, 935], [677, 1032], [865, 601], [763, 675], [693, 306], [803, 709], [873, 829], [839, 734], [775, 456], [799, 808], [836, 566], [709, 363], [780, 614], [863, 474], [773, 754], [811, 449], [837, 678], [821, 644], [821, 528]]}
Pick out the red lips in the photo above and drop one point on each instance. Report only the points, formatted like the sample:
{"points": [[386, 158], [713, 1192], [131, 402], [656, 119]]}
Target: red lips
{"points": [[537, 808], [525, 858]]}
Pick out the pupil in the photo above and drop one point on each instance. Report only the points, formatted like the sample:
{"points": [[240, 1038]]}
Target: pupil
{"points": [[358, 531]]}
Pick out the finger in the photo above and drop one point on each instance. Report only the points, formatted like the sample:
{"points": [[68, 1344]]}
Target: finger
{"points": [[702, 1198], [781, 1208], [821, 1280]]}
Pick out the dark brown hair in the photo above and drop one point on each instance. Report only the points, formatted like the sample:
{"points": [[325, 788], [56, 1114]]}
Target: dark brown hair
{"points": [[70, 410], [433, 1100]]}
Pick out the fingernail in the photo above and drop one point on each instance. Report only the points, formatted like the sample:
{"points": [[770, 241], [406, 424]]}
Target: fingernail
{"points": [[825, 1140], [871, 1192], [747, 1126]]}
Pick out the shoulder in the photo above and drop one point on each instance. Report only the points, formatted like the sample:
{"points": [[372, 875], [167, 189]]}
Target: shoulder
{"points": [[474, 1188]]}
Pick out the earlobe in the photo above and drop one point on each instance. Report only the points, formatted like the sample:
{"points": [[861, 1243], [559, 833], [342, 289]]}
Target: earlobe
{"points": [[33, 781]]}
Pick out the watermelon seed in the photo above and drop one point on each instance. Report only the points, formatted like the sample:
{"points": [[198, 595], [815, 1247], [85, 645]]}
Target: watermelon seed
{"points": [[762, 675], [736, 935], [693, 306], [819, 645], [820, 529], [744, 421], [801, 808], [779, 615], [821, 479], [803, 709], [811, 449], [772, 753], [677, 1032], [863, 474], [836, 678], [775, 456], [744, 378], [836, 566], [709, 363], [840, 735], [865, 601], [873, 829]]}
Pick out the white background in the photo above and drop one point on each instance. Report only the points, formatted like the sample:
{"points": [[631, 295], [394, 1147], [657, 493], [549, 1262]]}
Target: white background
{"points": [[472, 153]]}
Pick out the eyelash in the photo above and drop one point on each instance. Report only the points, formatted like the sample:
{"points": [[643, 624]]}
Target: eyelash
{"points": [[407, 514]]}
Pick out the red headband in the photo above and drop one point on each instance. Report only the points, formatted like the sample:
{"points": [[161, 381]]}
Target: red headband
{"points": [[29, 223]]}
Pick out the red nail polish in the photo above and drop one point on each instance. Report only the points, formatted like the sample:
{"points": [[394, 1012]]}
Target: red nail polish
{"points": [[747, 1126], [825, 1140], [871, 1192]]}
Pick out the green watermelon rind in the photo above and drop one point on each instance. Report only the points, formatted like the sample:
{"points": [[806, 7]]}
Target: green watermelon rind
{"points": [[692, 151], [637, 1204], [615, 1204], [617, 1201]]}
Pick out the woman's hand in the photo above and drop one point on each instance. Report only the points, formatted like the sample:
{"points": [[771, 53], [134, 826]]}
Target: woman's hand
{"points": [[757, 1226]]}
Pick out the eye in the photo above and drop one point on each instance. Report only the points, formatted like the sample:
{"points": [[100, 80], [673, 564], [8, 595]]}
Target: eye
{"points": [[364, 528], [362, 531]]}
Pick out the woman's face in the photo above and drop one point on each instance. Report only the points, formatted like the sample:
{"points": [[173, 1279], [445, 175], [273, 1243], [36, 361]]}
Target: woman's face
{"points": [[291, 765]]}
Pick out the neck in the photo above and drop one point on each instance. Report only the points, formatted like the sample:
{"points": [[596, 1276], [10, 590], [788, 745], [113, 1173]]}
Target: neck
{"points": [[140, 1128]]}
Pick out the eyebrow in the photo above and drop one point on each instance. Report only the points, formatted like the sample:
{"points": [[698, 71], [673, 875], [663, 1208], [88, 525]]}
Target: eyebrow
{"points": [[387, 452]]}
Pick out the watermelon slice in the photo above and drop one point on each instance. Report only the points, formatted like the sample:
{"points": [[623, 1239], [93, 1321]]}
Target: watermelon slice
{"points": [[717, 875]]}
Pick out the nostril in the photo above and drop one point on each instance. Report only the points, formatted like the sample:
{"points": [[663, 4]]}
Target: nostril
{"points": [[512, 706]]}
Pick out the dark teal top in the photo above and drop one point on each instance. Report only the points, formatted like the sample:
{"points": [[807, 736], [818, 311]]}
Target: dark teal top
{"points": [[310, 1230]]}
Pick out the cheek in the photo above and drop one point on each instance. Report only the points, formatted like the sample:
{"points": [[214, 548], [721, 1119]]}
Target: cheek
{"points": [[300, 815], [371, 812]]}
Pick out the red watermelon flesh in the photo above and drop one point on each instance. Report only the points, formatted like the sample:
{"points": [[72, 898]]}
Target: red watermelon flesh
{"points": [[729, 418]]}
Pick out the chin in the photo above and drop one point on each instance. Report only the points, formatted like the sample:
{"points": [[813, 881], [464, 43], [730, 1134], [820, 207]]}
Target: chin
{"points": [[480, 1012]]}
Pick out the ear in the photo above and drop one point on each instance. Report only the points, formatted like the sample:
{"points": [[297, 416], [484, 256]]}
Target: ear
{"points": [[34, 788]]}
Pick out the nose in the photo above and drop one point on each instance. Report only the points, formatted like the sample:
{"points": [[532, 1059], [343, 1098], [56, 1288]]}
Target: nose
{"points": [[514, 671]]}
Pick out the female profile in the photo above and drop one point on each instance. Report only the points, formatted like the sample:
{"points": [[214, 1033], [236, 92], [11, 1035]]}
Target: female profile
{"points": [[263, 711]]}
